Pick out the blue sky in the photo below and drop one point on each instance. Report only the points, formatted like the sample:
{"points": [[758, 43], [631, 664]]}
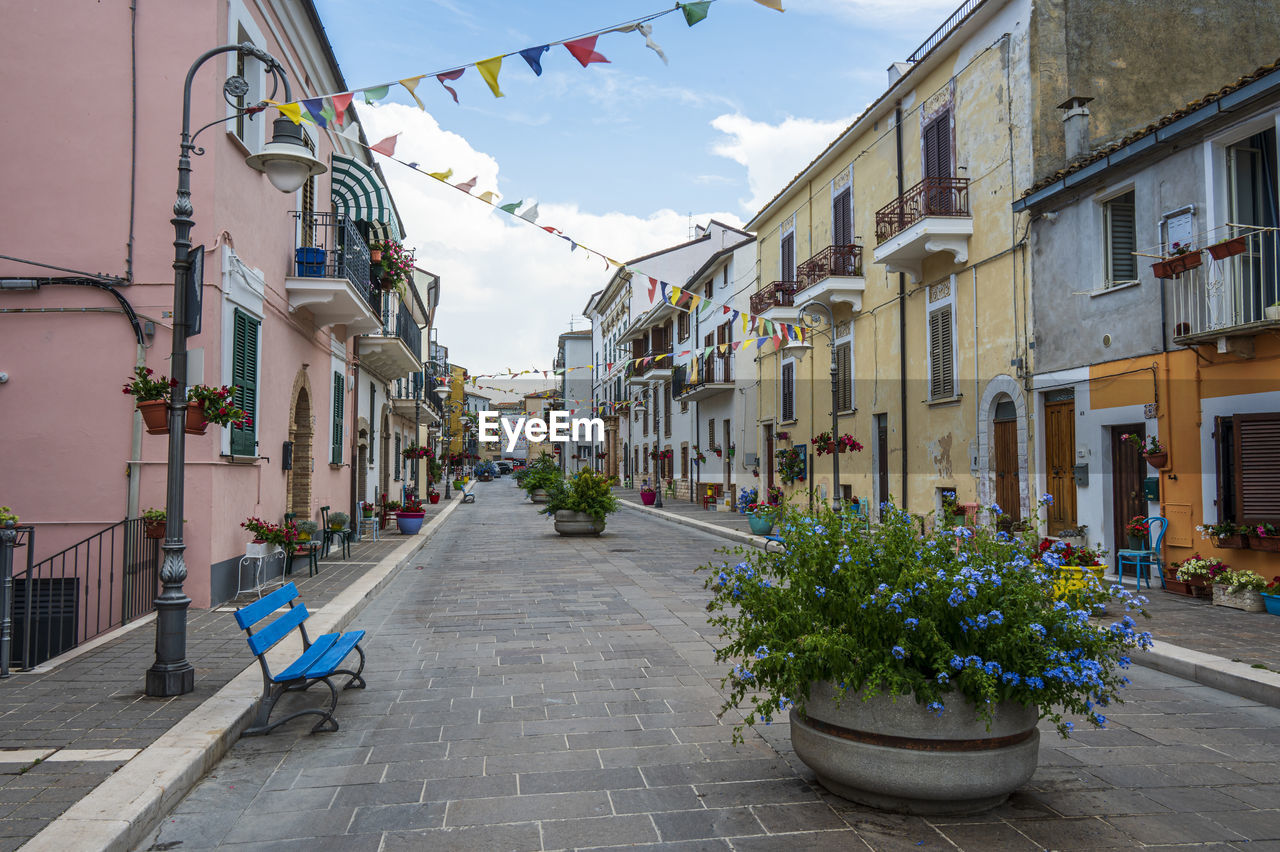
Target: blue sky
{"points": [[618, 155]]}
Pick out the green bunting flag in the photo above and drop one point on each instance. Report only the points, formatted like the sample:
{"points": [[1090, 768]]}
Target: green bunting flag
{"points": [[694, 12]]}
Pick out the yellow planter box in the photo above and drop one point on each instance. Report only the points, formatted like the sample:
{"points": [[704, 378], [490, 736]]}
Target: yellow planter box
{"points": [[1071, 578]]}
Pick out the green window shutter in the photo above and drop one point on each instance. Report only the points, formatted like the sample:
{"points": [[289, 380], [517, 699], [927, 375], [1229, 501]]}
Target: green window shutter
{"points": [[244, 375], [339, 395]]}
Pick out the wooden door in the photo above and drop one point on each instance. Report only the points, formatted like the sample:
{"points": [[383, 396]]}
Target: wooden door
{"points": [[1128, 469], [1008, 494], [1060, 445], [728, 459], [882, 456], [767, 461]]}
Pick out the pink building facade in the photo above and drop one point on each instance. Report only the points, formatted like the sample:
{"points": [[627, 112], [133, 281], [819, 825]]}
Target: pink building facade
{"points": [[324, 350]]}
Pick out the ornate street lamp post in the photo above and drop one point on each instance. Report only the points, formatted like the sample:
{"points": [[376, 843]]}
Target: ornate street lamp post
{"points": [[811, 321], [288, 164]]}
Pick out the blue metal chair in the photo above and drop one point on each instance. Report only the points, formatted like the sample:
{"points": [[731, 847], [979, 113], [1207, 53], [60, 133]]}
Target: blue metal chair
{"points": [[1143, 561]]}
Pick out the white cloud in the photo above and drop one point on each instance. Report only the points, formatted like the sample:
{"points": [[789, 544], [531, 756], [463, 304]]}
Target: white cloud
{"points": [[882, 14], [772, 153], [508, 288]]}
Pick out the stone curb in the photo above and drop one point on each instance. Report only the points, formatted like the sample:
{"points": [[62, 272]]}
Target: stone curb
{"points": [[1239, 679], [120, 812]]}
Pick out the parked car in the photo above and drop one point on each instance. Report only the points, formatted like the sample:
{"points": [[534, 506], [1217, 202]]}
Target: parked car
{"points": [[504, 467]]}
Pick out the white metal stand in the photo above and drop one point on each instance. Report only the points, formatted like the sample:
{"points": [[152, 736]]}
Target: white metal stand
{"points": [[260, 555]]}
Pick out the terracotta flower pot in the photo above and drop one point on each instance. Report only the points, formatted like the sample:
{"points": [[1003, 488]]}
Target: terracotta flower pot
{"points": [[1158, 460], [1234, 542], [1228, 248], [434, 498], [153, 529], [195, 422], [375, 255], [155, 414], [1269, 542]]}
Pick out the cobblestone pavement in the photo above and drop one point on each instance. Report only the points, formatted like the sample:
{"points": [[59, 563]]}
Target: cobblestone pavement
{"points": [[532, 692], [96, 701]]}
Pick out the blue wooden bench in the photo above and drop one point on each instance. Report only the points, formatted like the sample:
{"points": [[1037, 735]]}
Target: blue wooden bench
{"points": [[320, 660]]}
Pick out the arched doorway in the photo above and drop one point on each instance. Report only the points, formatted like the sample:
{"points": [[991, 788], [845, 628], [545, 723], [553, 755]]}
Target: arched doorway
{"points": [[1002, 448], [362, 466], [300, 432]]}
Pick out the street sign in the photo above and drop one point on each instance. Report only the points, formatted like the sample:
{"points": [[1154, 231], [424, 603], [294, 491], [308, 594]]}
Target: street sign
{"points": [[195, 281]]}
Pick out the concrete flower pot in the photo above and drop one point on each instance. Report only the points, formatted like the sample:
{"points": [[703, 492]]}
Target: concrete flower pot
{"points": [[1243, 599], [897, 756], [577, 523], [538, 495]]}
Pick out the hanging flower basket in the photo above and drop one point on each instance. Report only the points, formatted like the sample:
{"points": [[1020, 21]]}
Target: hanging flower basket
{"points": [[375, 255], [153, 529], [155, 414], [1264, 542], [1172, 267], [1228, 248], [195, 422], [1158, 460]]}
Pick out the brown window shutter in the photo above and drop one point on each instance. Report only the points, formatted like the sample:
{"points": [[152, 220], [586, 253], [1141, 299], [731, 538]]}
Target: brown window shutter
{"points": [[1224, 451], [935, 355], [948, 352], [841, 220], [1257, 467], [788, 392], [844, 397], [789, 257]]}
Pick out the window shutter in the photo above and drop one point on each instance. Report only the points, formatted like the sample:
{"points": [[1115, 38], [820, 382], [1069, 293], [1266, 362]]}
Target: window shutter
{"points": [[1122, 240], [339, 397], [844, 395], [937, 147], [841, 220], [711, 433], [789, 257], [399, 457], [1224, 450], [788, 392], [941, 366], [1257, 467], [244, 375]]}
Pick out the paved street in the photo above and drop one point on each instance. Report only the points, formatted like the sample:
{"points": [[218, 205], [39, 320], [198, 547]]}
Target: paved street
{"points": [[532, 692]]}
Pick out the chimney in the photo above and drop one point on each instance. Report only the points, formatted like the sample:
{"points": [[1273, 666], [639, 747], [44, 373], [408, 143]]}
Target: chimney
{"points": [[897, 71], [1075, 126]]}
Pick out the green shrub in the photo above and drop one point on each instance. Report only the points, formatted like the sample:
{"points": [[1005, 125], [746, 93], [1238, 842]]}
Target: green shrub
{"points": [[586, 492]]}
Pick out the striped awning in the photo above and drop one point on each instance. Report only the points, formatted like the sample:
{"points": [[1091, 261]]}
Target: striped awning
{"points": [[359, 193]]}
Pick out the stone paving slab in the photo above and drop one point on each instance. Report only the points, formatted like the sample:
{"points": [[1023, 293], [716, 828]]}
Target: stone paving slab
{"points": [[82, 710], [464, 740]]}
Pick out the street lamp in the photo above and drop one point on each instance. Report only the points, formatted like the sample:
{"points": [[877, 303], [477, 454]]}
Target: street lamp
{"points": [[811, 321], [288, 164], [443, 391]]}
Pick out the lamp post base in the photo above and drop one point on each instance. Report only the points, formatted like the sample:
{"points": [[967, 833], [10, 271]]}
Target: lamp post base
{"points": [[166, 682], [171, 674]]}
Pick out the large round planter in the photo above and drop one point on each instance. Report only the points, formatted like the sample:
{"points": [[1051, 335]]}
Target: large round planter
{"points": [[1270, 602], [409, 522], [577, 523], [648, 497], [897, 756], [760, 526], [434, 498], [538, 495]]}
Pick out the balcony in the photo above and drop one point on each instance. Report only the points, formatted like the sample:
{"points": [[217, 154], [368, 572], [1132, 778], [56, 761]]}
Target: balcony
{"points": [[776, 301], [704, 377], [651, 371], [408, 401], [931, 217], [1226, 302], [391, 351], [833, 275], [331, 265]]}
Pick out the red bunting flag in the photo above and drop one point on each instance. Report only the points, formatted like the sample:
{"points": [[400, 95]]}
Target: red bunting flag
{"points": [[446, 78], [467, 185], [386, 146], [584, 50], [653, 287], [340, 104]]}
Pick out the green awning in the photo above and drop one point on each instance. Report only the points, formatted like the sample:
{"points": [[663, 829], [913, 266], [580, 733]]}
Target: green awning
{"points": [[359, 194]]}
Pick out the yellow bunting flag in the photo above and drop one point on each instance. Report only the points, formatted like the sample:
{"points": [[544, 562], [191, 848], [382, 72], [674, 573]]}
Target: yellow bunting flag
{"points": [[772, 4], [293, 111], [411, 83], [489, 69], [488, 196], [444, 175]]}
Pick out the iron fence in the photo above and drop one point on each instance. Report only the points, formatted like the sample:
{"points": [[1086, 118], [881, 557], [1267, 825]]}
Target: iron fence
{"points": [[109, 579], [1234, 287], [330, 246], [933, 196]]}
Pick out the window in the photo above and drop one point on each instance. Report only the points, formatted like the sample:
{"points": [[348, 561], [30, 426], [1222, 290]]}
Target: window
{"points": [[684, 461], [666, 410], [935, 137], [788, 257], [711, 434], [788, 406], [1248, 455], [941, 357], [682, 326], [335, 456], [244, 375], [842, 219], [844, 376], [1121, 241], [399, 458]]}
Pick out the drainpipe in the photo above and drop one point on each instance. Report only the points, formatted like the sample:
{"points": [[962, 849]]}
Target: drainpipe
{"points": [[902, 315]]}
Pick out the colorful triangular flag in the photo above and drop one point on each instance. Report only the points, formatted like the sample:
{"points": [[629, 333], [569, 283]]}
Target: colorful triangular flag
{"points": [[444, 175], [584, 50], [386, 146], [315, 106], [531, 213], [467, 185], [489, 69], [411, 83], [511, 208], [340, 104], [375, 94], [448, 77], [533, 55], [695, 12]]}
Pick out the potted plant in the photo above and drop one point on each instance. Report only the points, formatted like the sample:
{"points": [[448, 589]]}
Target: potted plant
{"points": [[761, 517], [699, 458], [913, 666], [1225, 535], [1271, 597], [1152, 450], [1077, 567], [367, 509], [207, 405], [1181, 259], [540, 477], [270, 536], [397, 265], [1239, 589], [433, 495], [151, 395], [1264, 536], [409, 518], [746, 498], [153, 522], [581, 504], [648, 494], [306, 530], [791, 465], [1197, 575], [1228, 248], [1136, 531], [7, 515], [338, 521], [1272, 311], [375, 251]]}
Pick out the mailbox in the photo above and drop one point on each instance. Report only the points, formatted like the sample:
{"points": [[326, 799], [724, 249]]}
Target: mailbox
{"points": [[1081, 472], [1151, 488]]}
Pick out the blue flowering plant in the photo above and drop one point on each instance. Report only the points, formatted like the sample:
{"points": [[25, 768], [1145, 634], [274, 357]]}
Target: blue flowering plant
{"points": [[953, 618], [746, 499]]}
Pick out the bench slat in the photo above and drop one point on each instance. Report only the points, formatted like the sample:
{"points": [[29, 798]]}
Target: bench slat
{"points": [[267, 637], [247, 616], [336, 654], [299, 666]]}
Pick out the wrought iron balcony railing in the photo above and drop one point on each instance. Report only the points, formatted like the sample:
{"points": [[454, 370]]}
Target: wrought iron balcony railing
{"points": [[774, 295], [1234, 290], [935, 196], [831, 262], [329, 246]]}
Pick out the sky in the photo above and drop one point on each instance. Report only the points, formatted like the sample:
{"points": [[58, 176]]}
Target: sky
{"points": [[623, 157]]}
